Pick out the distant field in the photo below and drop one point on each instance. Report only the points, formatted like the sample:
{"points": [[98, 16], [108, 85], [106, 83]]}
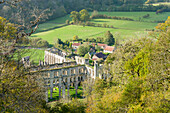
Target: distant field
{"points": [[66, 33], [161, 3], [125, 28], [136, 15], [52, 29], [122, 24], [53, 23]]}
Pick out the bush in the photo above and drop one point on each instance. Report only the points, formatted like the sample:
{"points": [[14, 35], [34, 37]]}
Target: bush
{"points": [[42, 43], [33, 41]]}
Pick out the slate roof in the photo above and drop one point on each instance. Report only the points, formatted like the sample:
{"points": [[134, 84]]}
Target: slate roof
{"points": [[101, 55]]}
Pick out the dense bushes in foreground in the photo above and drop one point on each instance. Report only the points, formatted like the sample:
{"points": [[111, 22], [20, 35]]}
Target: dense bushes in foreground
{"points": [[140, 77]]}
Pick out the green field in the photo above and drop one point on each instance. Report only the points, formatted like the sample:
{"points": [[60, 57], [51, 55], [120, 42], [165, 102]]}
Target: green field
{"points": [[52, 29], [56, 23], [72, 92], [122, 24], [136, 15], [125, 28], [35, 54], [161, 3]]}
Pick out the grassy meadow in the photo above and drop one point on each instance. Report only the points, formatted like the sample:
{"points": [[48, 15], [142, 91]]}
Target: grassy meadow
{"points": [[161, 3], [136, 15], [72, 93], [54, 29], [35, 54], [68, 32]]}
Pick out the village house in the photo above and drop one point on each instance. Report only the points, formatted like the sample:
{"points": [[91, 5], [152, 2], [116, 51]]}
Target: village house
{"points": [[99, 56], [103, 46], [109, 49], [75, 45]]}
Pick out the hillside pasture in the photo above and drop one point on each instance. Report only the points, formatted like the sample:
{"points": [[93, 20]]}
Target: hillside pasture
{"points": [[66, 33], [53, 24], [57, 29], [123, 27], [136, 15], [60, 22], [122, 24]]}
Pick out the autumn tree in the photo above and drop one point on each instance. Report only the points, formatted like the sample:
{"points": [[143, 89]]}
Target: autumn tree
{"points": [[75, 16], [139, 77], [84, 15], [86, 56], [75, 38], [19, 91], [67, 22]]}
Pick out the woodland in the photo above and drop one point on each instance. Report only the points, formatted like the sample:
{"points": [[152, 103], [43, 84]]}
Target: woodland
{"points": [[139, 67]]}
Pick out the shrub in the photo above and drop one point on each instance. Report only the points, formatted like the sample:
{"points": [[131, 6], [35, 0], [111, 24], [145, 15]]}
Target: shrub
{"points": [[42, 43]]}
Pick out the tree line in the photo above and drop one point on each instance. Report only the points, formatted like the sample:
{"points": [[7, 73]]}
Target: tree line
{"points": [[53, 9]]}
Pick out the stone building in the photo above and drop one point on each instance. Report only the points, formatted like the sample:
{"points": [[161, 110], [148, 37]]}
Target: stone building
{"points": [[62, 72]]}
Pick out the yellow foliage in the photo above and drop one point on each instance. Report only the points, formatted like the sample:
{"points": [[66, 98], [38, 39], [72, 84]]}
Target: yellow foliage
{"points": [[164, 26]]}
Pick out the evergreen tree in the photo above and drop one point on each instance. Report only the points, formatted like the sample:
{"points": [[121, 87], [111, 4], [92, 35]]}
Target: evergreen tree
{"points": [[109, 40]]}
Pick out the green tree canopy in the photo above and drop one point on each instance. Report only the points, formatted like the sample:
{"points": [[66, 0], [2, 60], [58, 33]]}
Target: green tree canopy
{"points": [[42, 43], [109, 40], [82, 50]]}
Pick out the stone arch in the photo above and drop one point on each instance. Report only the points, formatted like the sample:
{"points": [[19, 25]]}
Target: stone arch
{"points": [[48, 75], [54, 81], [72, 71], [82, 78], [66, 72], [71, 80], [80, 70], [55, 74], [79, 78], [48, 82]]}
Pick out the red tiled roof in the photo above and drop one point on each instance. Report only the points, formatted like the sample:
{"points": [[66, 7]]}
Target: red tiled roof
{"points": [[109, 48], [93, 44], [94, 59], [101, 44], [76, 44]]}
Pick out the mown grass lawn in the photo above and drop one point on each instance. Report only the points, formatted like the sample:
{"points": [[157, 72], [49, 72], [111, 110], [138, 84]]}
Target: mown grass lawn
{"points": [[35, 54], [72, 93]]}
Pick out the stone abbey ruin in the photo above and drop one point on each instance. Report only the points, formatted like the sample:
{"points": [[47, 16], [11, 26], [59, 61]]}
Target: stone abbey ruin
{"points": [[58, 70]]}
